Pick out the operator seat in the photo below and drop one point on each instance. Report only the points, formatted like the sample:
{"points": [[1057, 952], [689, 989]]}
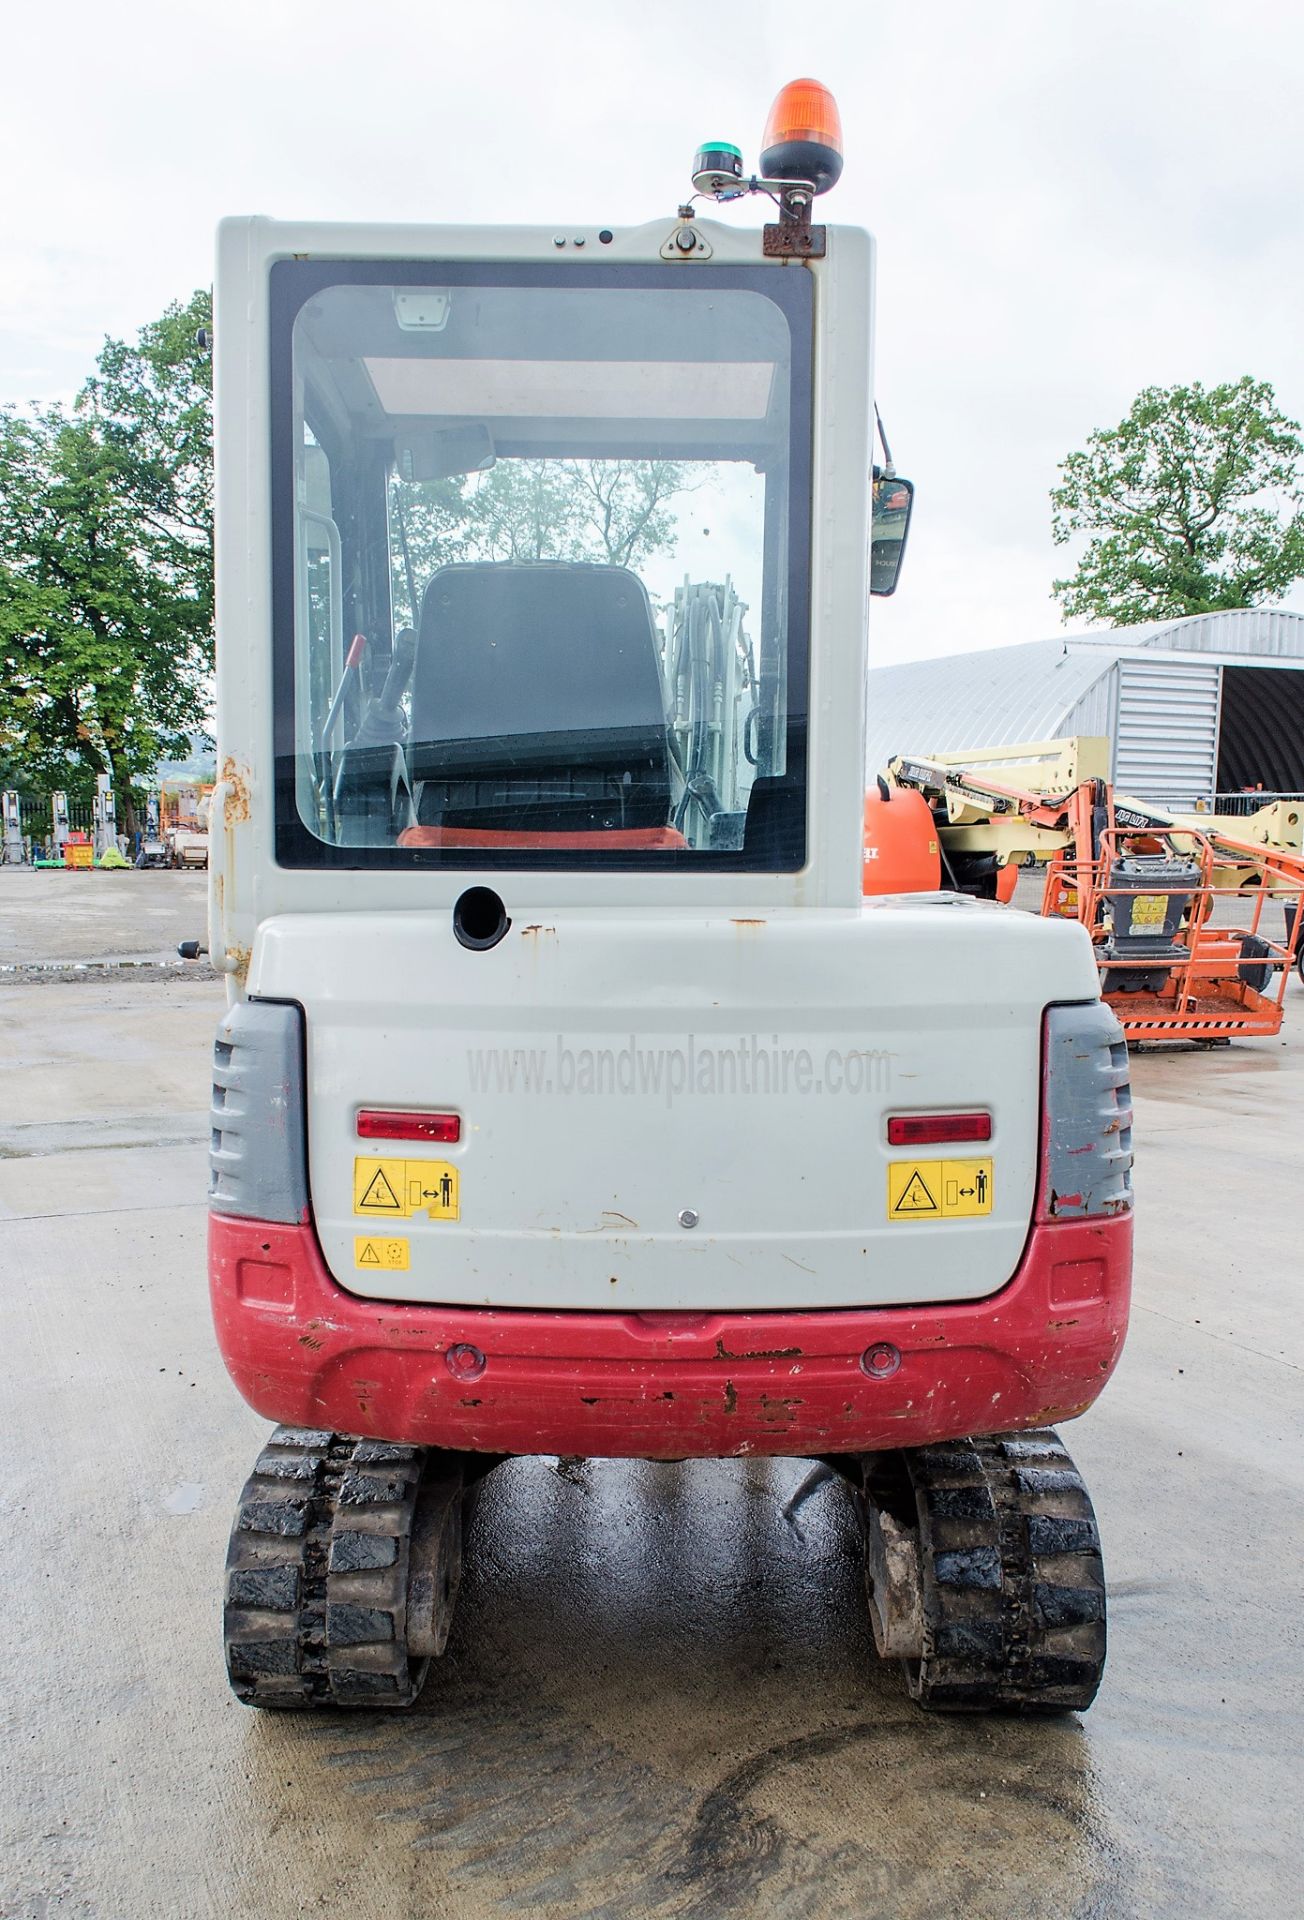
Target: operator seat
{"points": [[537, 701]]}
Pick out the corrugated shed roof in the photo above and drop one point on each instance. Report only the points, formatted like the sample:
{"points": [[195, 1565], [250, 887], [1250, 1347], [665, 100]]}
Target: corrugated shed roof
{"points": [[1028, 692], [978, 699], [1265, 632]]}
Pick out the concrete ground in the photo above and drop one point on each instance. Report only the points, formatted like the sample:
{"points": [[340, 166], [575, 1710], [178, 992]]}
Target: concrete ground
{"points": [[660, 1698], [59, 917]]}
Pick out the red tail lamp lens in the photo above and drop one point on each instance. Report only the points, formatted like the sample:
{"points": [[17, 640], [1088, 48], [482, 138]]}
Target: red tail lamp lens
{"points": [[937, 1129], [377, 1125]]}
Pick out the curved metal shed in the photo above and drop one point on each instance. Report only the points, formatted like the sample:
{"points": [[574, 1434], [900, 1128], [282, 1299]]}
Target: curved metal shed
{"points": [[1192, 707]]}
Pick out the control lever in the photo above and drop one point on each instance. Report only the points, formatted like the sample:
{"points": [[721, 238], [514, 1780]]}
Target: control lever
{"points": [[383, 724]]}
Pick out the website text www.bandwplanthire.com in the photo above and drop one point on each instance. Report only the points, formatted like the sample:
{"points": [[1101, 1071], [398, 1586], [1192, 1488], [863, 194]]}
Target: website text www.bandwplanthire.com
{"points": [[686, 1069]]}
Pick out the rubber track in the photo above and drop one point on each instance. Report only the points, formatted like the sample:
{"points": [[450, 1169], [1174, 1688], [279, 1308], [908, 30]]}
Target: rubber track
{"points": [[1013, 1581], [316, 1574]]}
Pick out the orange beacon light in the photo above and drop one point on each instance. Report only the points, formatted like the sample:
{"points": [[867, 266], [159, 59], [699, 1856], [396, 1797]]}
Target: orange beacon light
{"points": [[803, 136]]}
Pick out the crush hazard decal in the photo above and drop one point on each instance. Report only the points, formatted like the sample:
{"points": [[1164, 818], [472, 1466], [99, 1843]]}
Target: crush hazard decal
{"points": [[938, 1189], [397, 1189]]}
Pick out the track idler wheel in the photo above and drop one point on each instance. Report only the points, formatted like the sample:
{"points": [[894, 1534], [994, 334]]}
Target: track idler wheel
{"points": [[342, 1571], [984, 1574]]}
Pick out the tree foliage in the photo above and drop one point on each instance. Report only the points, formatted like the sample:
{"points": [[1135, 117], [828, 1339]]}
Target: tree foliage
{"points": [[106, 557], [106, 568], [616, 511], [1192, 504]]}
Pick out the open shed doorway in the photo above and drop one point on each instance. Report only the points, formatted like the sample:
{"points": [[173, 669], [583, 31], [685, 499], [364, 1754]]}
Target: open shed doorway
{"points": [[1261, 739]]}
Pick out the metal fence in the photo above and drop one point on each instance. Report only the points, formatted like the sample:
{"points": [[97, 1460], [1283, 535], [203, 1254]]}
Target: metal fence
{"points": [[38, 819], [1250, 800]]}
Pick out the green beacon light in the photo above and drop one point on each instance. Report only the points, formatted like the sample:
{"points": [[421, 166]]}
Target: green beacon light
{"points": [[718, 170]]}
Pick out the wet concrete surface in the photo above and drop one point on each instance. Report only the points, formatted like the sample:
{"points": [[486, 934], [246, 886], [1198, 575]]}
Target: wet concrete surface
{"points": [[53, 919], [660, 1698]]}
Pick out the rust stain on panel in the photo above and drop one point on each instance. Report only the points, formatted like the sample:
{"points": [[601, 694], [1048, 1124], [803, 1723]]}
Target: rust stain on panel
{"points": [[236, 805]]}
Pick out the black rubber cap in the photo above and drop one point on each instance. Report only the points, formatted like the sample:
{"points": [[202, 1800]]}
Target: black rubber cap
{"points": [[480, 919]]}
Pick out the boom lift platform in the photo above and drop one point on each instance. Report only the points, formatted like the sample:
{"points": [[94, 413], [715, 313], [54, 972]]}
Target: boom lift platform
{"points": [[1152, 888], [571, 1098]]}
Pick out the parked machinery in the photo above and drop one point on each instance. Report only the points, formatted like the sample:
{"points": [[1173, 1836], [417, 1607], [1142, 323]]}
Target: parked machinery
{"points": [[59, 827], [14, 850], [105, 816], [571, 1098], [183, 821], [153, 850], [1182, 908]]}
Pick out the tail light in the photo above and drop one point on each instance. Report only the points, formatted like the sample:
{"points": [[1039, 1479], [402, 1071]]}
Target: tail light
{"points": [[937, 1129], [1086, 1115], [375, 1124]]}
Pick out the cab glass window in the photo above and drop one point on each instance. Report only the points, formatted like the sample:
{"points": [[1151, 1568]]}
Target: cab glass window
{"points": [[541, 545]]}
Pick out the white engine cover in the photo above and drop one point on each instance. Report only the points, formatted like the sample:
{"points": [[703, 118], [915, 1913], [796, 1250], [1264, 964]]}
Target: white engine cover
{"points": [[617, 1073]]}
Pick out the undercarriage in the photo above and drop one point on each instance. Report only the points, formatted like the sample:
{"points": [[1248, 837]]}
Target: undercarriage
{"points": [[982, 1569]]}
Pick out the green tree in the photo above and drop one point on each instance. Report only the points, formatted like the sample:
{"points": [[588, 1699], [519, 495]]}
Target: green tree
{"points": [[1193, 504], [618, 511], [106, 570], [428, 529]]}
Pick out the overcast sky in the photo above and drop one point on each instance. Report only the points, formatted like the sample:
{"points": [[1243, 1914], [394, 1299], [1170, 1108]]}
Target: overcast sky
{"points": [[1073, 198]]}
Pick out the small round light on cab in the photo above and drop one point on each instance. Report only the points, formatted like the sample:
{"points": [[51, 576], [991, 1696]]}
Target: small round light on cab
{"points": [[803, 136], [718, 169]]}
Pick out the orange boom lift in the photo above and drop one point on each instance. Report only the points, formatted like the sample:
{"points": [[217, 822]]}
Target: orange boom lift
{"points": [[1195, 919]]}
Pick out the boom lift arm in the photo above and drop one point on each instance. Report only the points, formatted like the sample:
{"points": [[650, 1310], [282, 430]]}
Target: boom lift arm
{"points": [[1145, 882]]}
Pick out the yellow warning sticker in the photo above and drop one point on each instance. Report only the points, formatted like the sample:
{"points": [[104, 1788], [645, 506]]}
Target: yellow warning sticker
{"points": [[913, 1193], [379, 1186], [938, 1189], [1149, 909], [397, 1189], [382, 1254]]}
